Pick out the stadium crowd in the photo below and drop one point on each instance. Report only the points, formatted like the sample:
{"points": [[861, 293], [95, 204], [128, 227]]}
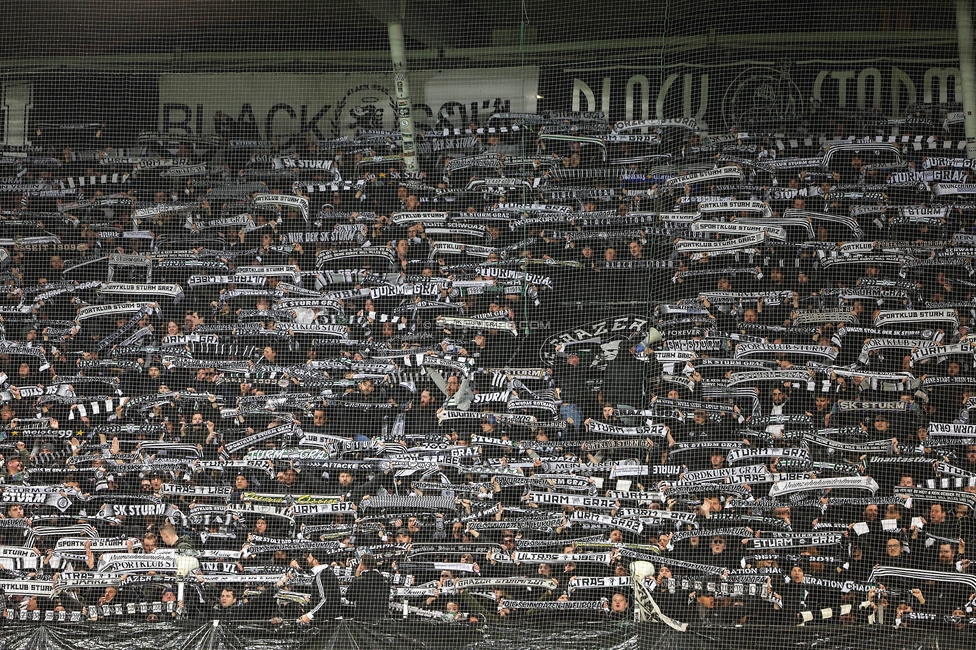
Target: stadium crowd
{"points": [[293, 381]]}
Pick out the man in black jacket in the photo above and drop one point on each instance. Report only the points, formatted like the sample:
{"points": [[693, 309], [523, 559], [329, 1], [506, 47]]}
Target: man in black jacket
{"points": [[370, 591], [577, 403], [623, 380], [231, 608], [325, 587]]}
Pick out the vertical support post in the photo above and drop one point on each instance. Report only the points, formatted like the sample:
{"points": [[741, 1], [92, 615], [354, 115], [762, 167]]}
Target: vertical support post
{"points": [[967, 69], [404, 114], [16, 102]]}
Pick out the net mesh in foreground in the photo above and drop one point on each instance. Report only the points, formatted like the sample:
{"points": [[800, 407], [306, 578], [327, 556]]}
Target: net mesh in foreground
{"points": [[487, 325]]}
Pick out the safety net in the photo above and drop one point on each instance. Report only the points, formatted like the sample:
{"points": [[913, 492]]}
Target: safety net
{"points": [[517, 324]]}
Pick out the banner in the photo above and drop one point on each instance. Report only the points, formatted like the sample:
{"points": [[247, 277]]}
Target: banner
{"points": [[268, 106], [127, 563], [759, 88]]}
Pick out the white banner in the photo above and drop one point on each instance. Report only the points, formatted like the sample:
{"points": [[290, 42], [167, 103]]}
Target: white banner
{"points": [[264, 106]]}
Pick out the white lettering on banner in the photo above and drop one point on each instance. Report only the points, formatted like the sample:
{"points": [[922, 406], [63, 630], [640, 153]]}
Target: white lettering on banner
{"points": [[45, 589], [952, 429], [572, 500], [639, 85], [304, 164], [13, 557], [905, 316], [696, 92], [268, 106], [125, 563], [897, 79], [299, 202], [728, 171]]}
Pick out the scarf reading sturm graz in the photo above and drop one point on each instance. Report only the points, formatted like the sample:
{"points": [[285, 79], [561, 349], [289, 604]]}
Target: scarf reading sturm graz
{"points": [[595, 520], [48, 495], [602, 429], [19, 559], [748, 454], [698, 246], [796, 540], [514, 274], [620, 443], [945, 469], [552, 498], [566, 481], [658, 517], [708, 445]]}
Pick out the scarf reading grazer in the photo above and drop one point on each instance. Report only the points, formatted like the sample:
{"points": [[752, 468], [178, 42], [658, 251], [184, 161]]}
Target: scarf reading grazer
{"points": [[504, 583]]}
